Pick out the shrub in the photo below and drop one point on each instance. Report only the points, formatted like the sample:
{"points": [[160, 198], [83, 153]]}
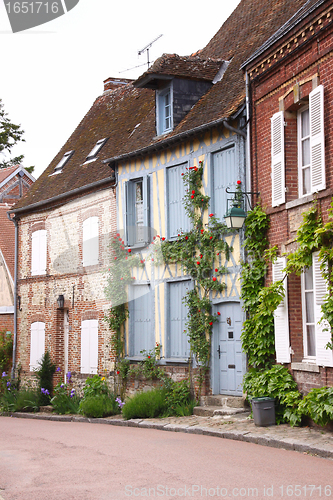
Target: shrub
{"points": [[178, 398], [6, 348], [99, 406], [65, 400], [45, 374], [276, 383], [318, 405], [148, 404], [95, 386], [27, 400]]}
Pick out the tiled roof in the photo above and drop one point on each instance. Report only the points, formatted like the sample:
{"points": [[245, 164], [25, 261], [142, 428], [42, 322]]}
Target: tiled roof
{"points": [[189, 67], [127, 115], [6, 172], [7, 237]]}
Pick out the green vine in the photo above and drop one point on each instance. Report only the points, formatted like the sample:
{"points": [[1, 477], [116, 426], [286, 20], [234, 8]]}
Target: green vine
{"points": [[199, 252]]}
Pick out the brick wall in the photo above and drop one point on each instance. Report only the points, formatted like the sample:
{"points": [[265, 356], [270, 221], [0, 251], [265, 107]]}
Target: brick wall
{"points": [[82, 287], [282, 80], [7, 322]]}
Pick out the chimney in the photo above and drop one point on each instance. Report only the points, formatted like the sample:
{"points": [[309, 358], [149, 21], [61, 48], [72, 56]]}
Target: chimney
{"points": [[114, 83]]}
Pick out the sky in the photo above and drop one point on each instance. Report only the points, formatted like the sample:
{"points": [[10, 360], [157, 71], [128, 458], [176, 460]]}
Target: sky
{"points": [[51, 74]]}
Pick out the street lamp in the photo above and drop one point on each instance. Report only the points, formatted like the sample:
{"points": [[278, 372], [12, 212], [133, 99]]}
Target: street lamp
{"points": [[236, 214], [61, 301]]}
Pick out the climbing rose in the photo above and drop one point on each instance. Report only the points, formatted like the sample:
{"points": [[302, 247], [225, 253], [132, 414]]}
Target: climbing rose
{"points": [[193, 191], [211, 215], [216, 269], [218, 313], [239, 182], [214, 278], [210, 323], [192, 196], [129, 250]]}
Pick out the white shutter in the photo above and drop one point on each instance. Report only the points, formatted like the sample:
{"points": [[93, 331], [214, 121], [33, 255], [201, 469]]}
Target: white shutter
{"points": [[317, 139], [277, 153], [37, 344], [281, 319], [38, 252], [89, 346], [90, 242], [324, 357]]}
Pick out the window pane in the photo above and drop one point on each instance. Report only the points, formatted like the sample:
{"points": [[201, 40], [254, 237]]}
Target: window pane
{"points": [[311, 342], [308, 279], [309, 305], [305, 123], [306, 152]]}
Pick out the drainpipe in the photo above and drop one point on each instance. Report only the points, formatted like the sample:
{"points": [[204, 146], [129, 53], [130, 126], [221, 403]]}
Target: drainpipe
{"points": [[15, 220], [248, 134]]}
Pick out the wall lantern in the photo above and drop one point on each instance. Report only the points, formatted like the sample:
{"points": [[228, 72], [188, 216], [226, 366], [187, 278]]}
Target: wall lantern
{"points": [[61, 301], [236, 215]]}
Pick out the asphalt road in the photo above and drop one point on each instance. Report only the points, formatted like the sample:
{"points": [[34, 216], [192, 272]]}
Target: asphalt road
{"points": [[45, 460]]}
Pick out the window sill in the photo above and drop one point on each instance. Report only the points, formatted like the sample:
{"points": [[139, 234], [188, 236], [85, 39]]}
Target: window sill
{"points": [[305, 366], [300, 201]]}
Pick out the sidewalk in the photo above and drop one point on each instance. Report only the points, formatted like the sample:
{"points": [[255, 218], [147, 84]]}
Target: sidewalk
{"points": [[313, 441]]}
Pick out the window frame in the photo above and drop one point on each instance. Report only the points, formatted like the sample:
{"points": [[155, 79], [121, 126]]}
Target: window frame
{"points": [[169, 327], [305, 323], [66, 157], [161, 106], [92, 156], [131, 238], [172, 233], [147, 342], [230, 183], [300, 140]]}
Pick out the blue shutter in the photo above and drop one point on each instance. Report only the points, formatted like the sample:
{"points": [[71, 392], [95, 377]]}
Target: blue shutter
{"points": [[140, 309], [129, 215], [178, 344], [224, 175], [177, 219]]}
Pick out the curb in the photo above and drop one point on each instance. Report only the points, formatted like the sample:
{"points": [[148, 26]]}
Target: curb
{"points": [[246, 436]]}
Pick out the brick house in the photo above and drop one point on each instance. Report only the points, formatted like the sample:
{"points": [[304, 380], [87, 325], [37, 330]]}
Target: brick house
{"points": [[14, 183], [290, 83], [120, 169]]}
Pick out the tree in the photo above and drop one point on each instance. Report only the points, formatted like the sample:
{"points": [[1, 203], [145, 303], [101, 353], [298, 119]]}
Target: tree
{"points": [[10, 134]]}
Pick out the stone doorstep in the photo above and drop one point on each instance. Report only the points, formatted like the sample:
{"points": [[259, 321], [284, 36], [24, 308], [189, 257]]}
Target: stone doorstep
{"points": [[212, 411], [224, 401]]}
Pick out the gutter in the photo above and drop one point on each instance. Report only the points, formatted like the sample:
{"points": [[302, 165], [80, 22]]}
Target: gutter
{"points": [[61, 197], [175, 138], [15, 220]]}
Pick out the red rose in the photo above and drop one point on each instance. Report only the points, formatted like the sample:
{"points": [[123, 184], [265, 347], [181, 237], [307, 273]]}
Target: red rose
{"points": [[211, 237], [214, 278], [118, 372], [218, 313], [200, 256], [239, 182], [186, 237], [216, 269], [182, 173], [115, 258], [163, 238], [193, 191], [210, 323], [192, 196], [129, 250], [133, 277], [218, 253], [195, 168], [141, 261], [198, 263], [202, 231], [148, 357], [211, 215], [118, 235]]}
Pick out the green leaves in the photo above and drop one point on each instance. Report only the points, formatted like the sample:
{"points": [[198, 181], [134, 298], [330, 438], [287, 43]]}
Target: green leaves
{"points": [[10, 134]]}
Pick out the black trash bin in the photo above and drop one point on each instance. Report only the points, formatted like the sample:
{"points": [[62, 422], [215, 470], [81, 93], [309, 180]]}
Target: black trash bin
{"points": [[263, 411]]}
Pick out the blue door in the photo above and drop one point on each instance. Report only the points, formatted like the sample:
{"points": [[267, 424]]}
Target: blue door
{"points": [[228, 360]]}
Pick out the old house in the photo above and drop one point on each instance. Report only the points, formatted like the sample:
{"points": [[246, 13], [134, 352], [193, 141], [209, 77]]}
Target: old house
{"points": [[120, 173], [290, 84], [14, 183]]}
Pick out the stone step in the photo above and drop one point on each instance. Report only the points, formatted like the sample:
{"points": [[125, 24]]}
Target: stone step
{"points": [[212, 411], [224, 401]]}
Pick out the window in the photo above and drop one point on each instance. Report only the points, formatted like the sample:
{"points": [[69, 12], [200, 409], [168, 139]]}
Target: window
{"points": [[89, 346], [63, 161], [96, 149], [310, 149], [37, 344], [224, 174], [164, 110], [137, 211], [178, 345], [177, 219], [90, 243], [316, 333], [38, 252], [141, 336]]}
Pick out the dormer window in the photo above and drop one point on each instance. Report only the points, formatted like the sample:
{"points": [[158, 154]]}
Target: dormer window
{"points": [[95, 150], [164, 110], [63, 162]]}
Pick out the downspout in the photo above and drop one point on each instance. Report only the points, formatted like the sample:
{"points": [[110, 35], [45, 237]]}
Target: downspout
{"points": [[15, 220], [248, 135]]}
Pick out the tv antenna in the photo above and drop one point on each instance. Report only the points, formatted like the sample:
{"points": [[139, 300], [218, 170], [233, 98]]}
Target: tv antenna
{"points": [[147, 47]]}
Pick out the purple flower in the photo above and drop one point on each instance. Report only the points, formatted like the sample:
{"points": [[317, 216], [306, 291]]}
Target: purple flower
{"points": [[8, 384], [4, 374], [58, 369], [62, 386], [68, 375], [45, 391], [120, 403]]}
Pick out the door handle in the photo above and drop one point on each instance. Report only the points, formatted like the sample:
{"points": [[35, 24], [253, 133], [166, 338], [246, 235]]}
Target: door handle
{"points": [[219, 351]]}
